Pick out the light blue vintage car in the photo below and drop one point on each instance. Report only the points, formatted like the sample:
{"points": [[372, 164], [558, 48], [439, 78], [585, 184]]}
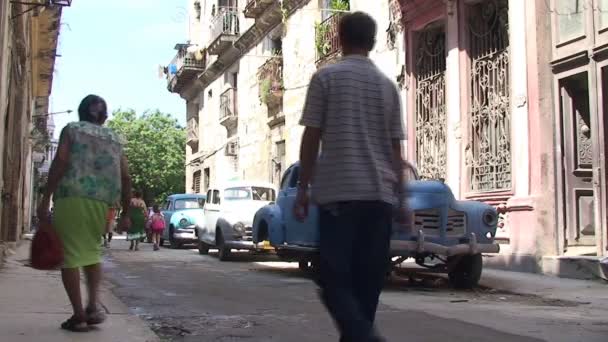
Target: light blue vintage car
{"points": [[447, 236], [183, 214]]}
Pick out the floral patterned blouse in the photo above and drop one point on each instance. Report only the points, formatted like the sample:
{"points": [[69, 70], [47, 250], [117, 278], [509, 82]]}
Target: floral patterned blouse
{"points": [[94, 167]]}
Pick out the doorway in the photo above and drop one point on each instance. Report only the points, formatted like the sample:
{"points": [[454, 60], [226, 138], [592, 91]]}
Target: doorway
{"points": [[578, 132]]}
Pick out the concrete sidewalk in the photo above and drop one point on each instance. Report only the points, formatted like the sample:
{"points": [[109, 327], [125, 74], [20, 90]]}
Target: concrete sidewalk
{"points": [[33, 304]]}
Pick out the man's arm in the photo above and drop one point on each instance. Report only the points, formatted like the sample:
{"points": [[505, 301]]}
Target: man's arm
{"points": [[309, 150], [397, 136], [313, 117], [399, 168]]}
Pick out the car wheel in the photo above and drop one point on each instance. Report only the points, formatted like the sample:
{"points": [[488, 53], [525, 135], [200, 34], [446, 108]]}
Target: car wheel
{"points": [[174, 244], [223, 250], [203, 248], [466, 272]]}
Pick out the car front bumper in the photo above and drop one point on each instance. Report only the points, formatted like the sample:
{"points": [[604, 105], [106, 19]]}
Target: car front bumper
{"points": [[403, 247], [185, 236]]}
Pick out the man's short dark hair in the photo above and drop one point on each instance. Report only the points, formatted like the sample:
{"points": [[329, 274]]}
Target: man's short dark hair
{"points": [[358, 30]]}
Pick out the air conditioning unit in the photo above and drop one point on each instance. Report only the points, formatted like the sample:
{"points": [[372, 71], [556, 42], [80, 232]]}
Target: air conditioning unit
{"points": [[232, 148]]}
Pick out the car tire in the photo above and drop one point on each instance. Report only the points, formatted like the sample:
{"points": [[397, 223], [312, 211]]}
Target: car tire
{"points": [[174, 244], [467, 272], [203, 248], [223, 250]]}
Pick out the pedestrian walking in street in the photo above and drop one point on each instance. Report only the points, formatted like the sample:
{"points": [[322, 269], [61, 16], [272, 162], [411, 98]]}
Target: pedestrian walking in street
{"points": [[137, 215], [157, 225], [353, 112], [110, 226], [87, 176]]}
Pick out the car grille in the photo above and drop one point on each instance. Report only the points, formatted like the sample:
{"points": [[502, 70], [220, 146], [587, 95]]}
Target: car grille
{"points": [[429, 221], [248, 236], [457, 223]]}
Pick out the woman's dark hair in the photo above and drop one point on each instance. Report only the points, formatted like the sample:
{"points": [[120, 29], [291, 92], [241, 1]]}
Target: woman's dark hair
{"points": [[156, 209], [358, 30], [84, 109], [137, 194]]}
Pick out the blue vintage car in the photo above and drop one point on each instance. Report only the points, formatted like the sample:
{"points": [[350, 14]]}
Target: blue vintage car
{"points": [[447, 235], [183, 214]]}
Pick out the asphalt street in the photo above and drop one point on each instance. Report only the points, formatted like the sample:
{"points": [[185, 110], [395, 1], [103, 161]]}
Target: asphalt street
{"points": [[184, 296]]}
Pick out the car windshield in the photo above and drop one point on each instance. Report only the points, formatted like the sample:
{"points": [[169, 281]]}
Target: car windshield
{"points": [[189, 203], [249, 193]]}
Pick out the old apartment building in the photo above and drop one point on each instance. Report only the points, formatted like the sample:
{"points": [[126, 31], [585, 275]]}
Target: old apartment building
{"points": [[244, 74], [28, 43], [503, 99]]}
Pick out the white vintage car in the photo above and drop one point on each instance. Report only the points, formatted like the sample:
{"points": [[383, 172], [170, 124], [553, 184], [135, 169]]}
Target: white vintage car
{"points": [[229, 212]]}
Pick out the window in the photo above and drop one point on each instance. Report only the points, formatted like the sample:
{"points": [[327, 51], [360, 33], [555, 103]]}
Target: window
{"points": [[196, 182], [488, 149], [249, 193], [570, 19], [285, 180], [167, 205], [263, 194], [207, 180], [603, 9], [209, 196], [189, 203], [216, 197], [295, 177]]}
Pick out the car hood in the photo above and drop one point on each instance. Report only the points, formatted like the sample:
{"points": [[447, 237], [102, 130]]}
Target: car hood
{"points": [[195, 216], [242, 211]]}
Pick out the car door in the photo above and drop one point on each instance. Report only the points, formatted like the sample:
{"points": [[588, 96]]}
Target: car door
{"points": [[167, 211], [304, 233], [212, 210]]}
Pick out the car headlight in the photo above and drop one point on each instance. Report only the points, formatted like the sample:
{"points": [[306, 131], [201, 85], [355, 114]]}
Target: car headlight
{"points": [[184, 223], [239, 227], [489, 217]]}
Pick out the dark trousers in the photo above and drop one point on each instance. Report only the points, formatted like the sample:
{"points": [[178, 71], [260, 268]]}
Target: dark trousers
{"points": [[354, 259]]}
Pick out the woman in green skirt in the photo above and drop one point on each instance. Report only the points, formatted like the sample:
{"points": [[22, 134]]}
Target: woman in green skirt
{"points": [[137, 214], [87, 176]]}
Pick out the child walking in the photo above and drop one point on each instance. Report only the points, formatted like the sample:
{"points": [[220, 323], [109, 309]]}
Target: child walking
{"points": [[157, 225]]}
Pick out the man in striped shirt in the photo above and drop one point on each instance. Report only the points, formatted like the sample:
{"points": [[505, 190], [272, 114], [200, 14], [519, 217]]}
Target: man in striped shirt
{"points": [[354, 112]]}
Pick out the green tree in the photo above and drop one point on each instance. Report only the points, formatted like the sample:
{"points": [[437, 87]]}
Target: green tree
{"points": [[156, 146]]}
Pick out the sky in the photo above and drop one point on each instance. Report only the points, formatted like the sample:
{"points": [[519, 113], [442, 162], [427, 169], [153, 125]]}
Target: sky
{"points": [[113, 48]]}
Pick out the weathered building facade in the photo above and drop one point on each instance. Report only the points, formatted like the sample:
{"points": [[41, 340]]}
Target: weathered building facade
{"points": [[28, 42], [505, 104], [503, 99]]}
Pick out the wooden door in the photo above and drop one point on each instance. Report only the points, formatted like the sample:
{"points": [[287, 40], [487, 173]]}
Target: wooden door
{"points": [[577, 147]]}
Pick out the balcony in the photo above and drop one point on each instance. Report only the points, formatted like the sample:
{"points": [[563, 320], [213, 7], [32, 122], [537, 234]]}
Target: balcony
{"points": [[229, 109], [255, 8], [184, 68], [270, 78], [225, 30], [327, 41]]}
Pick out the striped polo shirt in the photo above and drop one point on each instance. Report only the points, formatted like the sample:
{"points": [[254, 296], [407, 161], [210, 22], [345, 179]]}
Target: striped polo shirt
{"points": [[358, 110]]}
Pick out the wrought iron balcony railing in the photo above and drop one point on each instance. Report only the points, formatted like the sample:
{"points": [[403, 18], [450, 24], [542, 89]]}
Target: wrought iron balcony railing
{"points": [[270, 77], [327, 41], [225, 30], [183, 68], [228, 106]]}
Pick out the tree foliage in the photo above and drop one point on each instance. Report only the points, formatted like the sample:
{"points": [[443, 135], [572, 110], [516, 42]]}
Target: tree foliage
{"points": [[156, 146]]}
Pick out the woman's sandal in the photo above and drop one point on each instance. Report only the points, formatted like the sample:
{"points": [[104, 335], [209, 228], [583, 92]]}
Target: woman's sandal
{"points": [[95, 316], [75, 325]]}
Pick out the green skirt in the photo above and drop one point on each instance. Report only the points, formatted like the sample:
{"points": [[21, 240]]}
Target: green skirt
{"points": [[80, 223], [138, 224]]}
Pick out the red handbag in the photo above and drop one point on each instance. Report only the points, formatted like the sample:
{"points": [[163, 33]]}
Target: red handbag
{"points": [[47, 249]]}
